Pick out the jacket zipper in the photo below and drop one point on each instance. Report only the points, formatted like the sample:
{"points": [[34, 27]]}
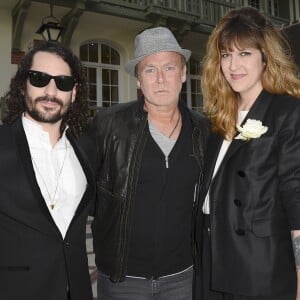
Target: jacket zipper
{"points": [[167, 161]]}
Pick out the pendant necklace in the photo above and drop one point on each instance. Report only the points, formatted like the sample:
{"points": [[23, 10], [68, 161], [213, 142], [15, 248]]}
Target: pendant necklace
{"points": [[52, 199], [172, 132]]}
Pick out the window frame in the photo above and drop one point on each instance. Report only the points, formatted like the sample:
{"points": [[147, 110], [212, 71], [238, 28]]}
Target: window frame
{"points": [[99, 66]]}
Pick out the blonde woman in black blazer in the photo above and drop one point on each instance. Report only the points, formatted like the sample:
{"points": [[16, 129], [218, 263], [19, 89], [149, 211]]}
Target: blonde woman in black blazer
{"points": [[249, 216]]}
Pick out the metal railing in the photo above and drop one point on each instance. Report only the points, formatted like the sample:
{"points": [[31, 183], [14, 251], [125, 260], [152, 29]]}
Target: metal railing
{"points": [[197, 11]]}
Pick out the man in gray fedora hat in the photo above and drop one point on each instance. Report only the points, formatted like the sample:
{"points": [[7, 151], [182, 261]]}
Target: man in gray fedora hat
{"points": [[149, 164]]}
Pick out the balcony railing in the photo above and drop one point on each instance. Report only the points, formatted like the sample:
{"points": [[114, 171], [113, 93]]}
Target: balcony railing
{"points": [[198, 13]]}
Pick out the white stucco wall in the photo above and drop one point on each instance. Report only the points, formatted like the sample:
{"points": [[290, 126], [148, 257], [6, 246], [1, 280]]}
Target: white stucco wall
{"points": [[119, 32], [6, 68]]}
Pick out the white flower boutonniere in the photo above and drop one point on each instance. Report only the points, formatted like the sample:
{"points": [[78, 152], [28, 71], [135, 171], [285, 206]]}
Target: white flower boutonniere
{"points": [[252, 129]]}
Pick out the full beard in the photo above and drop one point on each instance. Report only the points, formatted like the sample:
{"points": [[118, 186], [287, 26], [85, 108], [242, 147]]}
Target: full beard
{"points": [[47, 115]]}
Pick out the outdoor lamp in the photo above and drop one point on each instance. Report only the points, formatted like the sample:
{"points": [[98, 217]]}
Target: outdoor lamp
{"points": [[50, 28]]}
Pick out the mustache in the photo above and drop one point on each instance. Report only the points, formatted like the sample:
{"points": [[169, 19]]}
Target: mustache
{"points": [[49, 99]]}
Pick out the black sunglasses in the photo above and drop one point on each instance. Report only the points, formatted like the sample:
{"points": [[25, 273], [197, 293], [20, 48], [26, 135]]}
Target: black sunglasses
{"points": [[41, 79]]}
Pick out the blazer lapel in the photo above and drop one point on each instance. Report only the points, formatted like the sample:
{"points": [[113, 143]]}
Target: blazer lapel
{"points": [[258, 112], [36, 213], [213, 144], [42, 219]]}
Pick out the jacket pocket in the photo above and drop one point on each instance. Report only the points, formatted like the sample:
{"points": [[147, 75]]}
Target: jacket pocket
{"points": [[14, 268], [269, 227]]}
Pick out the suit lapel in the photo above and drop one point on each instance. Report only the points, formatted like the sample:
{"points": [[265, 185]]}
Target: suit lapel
{"points": [[257, 112], [43, 219], [213, 144]]}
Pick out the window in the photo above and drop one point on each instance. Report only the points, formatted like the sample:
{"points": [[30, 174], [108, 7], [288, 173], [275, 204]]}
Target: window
{"points": [[254, 3], [273, 7], [191, 89], [102, 67]]}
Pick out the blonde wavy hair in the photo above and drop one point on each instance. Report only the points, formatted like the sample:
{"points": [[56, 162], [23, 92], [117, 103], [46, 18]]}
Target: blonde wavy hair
{"points": [[242, 28]]}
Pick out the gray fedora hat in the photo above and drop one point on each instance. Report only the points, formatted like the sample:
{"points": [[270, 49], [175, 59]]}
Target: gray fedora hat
{"points": [[152, 41]]}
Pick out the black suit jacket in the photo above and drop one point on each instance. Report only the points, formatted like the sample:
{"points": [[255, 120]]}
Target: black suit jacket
{"points": [[254, 203], [36, 263]]}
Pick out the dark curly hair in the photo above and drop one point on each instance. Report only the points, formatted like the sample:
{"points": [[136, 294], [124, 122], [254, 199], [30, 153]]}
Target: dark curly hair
{"points": [[77, 117]]}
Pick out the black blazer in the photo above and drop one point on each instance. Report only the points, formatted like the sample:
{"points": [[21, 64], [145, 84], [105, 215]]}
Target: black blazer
{"points": [[35, 261], [254, 203]]}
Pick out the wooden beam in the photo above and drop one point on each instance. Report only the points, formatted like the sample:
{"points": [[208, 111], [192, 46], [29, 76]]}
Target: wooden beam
{"points": [[19, 14], [70, 21], [201, 20]]}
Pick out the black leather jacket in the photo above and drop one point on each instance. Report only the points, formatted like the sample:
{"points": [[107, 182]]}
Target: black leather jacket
{"points": [[119, 132]]}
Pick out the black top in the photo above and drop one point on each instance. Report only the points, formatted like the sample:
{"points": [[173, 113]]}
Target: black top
{"points": [[120, 133], [160, 241]]}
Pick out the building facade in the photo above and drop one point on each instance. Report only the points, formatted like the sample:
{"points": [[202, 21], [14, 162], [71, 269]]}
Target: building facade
{"points": [[102, 32]]}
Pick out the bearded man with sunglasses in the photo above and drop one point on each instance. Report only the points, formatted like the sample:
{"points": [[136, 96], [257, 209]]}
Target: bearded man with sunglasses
{"points": [[46, 181]]}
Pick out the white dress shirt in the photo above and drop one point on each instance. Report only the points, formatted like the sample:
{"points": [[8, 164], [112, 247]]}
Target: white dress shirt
{"points": [[223, 150], [56, 169]]}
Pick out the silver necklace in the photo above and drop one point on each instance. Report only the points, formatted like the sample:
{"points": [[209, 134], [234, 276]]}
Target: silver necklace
{"points": [[52, 199]]}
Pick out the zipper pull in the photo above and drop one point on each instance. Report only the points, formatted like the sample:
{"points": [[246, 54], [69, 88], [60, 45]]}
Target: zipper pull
{"points": [[195, 192], [167, 162]]}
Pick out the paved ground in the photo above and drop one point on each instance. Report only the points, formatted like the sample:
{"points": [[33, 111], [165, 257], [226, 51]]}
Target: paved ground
{"points": [[91, 257]]}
